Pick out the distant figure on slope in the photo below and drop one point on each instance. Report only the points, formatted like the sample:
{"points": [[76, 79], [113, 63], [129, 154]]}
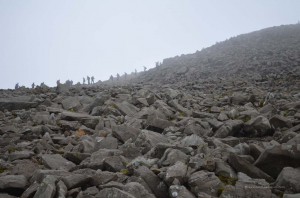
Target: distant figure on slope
{"points": [[88, 79], [118, 76], [125, 75], [57, 83], [33, 85], [111, 78], [83, 80], [145, 68], [92, 78], [17, 86]]}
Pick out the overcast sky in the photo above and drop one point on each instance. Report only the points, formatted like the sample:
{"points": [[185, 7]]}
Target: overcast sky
{"points": [[43, 41]]}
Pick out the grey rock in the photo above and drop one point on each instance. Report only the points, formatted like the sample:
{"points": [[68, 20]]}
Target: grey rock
{"points": [[25, 154], [113, 164], [138, 190], [192, 141], [113, 192], [241, 165], [278, 121], [289, 179], [76, 180], [247, 187], [124, 132], [158, 124], [106, 143], [57, 162], [230, 128], [13, 181], [13, 104], [176, 172], [158, 187], [258, 126], [285, 155], [61, 189], [47, 188], [39, 175], [149, 139], [171, 156], [176, 191], [126, 108], [206, 182]]}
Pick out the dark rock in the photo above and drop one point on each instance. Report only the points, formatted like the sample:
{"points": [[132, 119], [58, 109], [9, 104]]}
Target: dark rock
{"points": [[241, 165], [278, 121], [76, 180], [284, 155], [289, 179], [113, 192]]}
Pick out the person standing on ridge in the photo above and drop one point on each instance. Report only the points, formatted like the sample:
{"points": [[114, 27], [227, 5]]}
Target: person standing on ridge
{"points": [[88, 79], [83, 80], [145, 68], [92, 78], [17, 86], [111, 78], [33, 85], [118, 76]]}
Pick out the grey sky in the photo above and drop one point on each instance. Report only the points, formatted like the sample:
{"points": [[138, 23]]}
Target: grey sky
{"points": [[42, 41]]}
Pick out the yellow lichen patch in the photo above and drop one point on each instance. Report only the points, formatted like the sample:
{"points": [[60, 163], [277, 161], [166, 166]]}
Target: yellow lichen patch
{"points": [[125, 171], [79, 133]]}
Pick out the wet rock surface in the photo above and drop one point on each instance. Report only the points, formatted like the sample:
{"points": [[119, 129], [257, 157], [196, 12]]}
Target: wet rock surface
{"points": [[179, 130]]}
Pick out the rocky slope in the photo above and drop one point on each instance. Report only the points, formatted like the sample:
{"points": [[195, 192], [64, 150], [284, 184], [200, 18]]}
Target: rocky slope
{"points": [[204, 128]]}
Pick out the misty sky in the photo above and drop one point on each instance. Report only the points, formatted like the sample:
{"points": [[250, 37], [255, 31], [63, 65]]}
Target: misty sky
{"points": [[43, 41]]}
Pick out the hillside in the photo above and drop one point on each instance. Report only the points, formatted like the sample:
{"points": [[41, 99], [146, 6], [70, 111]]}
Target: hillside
{"points": [[223, 122], [271, 52]]}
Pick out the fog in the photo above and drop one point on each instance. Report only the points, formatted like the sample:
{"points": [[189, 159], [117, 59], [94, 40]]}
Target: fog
{"points": [[43, 41]]}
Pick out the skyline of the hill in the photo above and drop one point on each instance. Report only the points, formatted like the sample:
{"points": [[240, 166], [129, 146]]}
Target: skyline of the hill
{"points": [[43, 41]]}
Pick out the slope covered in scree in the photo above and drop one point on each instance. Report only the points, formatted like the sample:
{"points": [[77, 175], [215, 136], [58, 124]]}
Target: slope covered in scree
{"points": [[256, 56]]}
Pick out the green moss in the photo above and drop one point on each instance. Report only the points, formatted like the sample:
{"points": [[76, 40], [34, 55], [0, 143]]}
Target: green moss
{"points": [[125, 172], [12, 149], [228, 180], [220, 190], [2, 169], [246, 118]]}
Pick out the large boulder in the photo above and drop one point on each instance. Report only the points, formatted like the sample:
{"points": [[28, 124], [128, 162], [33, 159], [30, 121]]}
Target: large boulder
{"points": [[275, 158], [289, 179], [257, 127]]}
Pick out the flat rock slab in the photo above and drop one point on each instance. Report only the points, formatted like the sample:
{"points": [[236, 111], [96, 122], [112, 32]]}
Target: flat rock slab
{"points": [[16, 105], [57, 162], [13, 181]]}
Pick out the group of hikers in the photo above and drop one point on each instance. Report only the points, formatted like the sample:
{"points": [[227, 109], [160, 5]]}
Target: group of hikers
{"points": [[90, 80], [111, 78]]}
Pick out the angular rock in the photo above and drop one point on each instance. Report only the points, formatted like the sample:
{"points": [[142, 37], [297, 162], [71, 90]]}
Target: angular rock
{"points": [[258, 126], [149, 139], [76, 180], [289, 178], [158, 187], [57, 162], [13, 181], [113, 164], [158, 124], [47, 188], [124, 132], [278, 121], [177, 171], [137, 190], [247, 187], [284, 155], [177, 191], [206, 182], [230, 128], [241, 165], [113, 192]]}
